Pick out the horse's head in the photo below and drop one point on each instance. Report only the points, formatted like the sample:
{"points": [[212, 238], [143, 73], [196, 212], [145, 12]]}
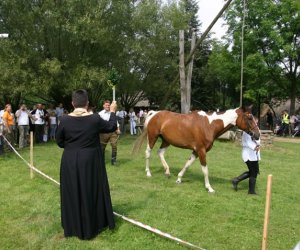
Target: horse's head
{"points": [[247, 123]]}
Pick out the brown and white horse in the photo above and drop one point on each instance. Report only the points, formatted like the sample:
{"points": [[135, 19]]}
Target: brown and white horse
{"points": [[196, 131]]}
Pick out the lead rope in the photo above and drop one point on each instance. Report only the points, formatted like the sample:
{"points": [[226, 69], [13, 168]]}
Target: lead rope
{"points": [[137, 223]]}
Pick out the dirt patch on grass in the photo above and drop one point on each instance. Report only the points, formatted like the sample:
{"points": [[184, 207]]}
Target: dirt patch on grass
{"points": [[287, 139]]}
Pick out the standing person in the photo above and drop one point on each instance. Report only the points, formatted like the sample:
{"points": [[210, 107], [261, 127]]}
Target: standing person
{"points": [[22, 116], [53, 125], [111, 137], [9, 122], [59, 112], [270, 122], [132, 121], [141, 116], [293, 121], [285, 123], [39, 123], [86, 207], [251, 156], [121, 120], [1, 132]]}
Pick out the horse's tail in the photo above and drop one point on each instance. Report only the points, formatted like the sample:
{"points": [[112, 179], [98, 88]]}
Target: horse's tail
{"points": [[140, 140]]}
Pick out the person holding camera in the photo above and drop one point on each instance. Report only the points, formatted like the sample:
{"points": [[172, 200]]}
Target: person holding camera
{"points": [[22, 116], [39, 115]]}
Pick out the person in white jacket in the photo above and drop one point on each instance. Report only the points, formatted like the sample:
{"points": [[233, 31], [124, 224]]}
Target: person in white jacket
{"points": [[251, 156]]}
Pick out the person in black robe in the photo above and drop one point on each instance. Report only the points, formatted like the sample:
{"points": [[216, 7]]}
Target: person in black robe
{"points": [[86, 207]]}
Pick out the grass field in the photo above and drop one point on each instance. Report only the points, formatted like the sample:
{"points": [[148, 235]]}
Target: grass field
{"points": [[30, 208]]}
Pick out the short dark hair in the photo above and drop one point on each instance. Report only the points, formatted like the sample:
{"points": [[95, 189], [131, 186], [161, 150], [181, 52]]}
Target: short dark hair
{"points": [[80, 98]]}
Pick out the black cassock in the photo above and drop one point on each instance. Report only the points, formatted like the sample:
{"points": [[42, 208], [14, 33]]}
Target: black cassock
{"points": [[86, 207]]}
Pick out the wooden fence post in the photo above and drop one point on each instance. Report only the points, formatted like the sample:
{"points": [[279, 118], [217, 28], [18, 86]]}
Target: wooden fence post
{"points": [[267, 212], [31, 154]]}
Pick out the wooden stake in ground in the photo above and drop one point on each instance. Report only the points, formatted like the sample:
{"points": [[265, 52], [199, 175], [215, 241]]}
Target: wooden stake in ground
{"points": [[185, 82], [31, 154], [267, 212]]}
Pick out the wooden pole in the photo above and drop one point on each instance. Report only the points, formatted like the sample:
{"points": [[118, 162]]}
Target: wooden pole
{"points": [[267, 212], [182, 72], [114, 92], [242, 55], [31, 154], [189, 75], [189, 58]]}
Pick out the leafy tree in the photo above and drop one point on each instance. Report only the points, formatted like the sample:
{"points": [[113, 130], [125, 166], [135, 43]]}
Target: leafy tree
{"points": [[271, 47], [57, 46]]}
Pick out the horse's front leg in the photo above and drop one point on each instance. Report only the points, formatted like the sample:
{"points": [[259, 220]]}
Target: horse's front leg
{"points": [[161, 153], [186, 166], [204, 167], [207, 185], [148, 154]]}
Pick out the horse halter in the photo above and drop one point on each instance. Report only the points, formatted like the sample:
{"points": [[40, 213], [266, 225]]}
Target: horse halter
{"points": [[249, 117]]}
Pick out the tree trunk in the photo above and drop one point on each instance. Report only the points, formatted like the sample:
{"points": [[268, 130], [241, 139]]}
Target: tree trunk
{"points": [[175, 81], [293, 95], [183, 90], [189, 76]]}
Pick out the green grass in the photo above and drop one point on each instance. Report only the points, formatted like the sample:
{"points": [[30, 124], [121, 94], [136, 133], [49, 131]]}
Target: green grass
{"points": [[30, 208]]}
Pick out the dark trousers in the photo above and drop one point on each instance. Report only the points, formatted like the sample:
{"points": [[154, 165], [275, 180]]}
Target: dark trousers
{"points": [[285, 129], [253, 168], [1, 145], [38, 132], [121, 122]]}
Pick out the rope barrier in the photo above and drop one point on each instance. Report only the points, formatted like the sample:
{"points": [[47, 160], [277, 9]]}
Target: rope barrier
{"points": [[157, 231], [29, 165], [137, 223]]}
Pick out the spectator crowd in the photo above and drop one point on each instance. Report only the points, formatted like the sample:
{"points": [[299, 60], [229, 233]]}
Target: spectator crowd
{"points": [[43, 121]]}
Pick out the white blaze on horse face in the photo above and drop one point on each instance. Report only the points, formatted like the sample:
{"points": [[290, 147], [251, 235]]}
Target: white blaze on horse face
{"points": [[229, 117]]}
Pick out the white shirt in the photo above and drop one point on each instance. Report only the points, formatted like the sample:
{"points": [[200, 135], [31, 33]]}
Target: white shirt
{"points": [[121, 114], [38, 114], [132, 116], [105, 115], [249, 153], [23, 118], [52, 120], [59, 111], [1, 114]]}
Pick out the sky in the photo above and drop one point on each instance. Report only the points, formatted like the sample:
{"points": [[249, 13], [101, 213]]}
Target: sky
{"points": [[208, 9]]}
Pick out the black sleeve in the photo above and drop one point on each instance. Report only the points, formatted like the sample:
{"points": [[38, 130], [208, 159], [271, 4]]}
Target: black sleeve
{"points": [[59, 137], [33, 112], [108, 126]]}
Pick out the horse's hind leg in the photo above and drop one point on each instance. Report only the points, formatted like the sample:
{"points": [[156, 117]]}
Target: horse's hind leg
{"points": [[148, 154], [151, 141], [186, 166], [161, 153]]}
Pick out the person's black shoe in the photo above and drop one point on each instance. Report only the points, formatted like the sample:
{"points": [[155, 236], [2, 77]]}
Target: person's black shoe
{"points": [[235, 181], [252, 183]]}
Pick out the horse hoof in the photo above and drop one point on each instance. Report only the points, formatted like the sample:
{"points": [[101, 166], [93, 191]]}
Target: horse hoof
{"points": [[210, 190], [149, 175], [178, 181], [168, 175]]}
